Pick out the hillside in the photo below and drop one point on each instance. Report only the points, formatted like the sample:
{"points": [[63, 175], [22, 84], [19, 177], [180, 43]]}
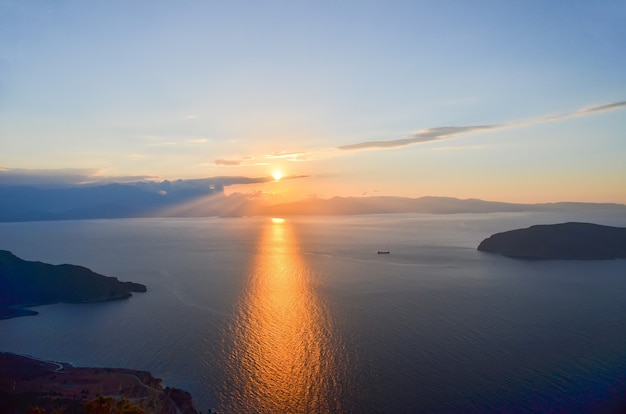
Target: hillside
{"points": [[34, 283], [577, 241], [32, 385]]}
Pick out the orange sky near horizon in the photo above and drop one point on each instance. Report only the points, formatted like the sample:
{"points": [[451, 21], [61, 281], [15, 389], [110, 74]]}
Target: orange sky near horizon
{"points": [[520, 102]]}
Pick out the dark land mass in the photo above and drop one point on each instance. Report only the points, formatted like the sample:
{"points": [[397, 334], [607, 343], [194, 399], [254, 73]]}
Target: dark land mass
{"points": [[568, 241], [25, 283], [26, 383], [206, 198], [429, 205]]}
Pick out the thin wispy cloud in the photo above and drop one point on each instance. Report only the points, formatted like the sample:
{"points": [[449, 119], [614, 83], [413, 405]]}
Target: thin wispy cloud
{"points": [[223, 161], [425, 135], [290, 156], [602, 108], [168, 141], [285, 154], [419, 137], [294, 177], [262, 160], [581, 112], [266, 159], [237, 180], [70, 177], [441, 133]]}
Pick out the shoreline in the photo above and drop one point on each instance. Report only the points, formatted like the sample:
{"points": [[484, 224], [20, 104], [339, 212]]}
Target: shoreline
{"points": [[15, 312], [27, 381]]}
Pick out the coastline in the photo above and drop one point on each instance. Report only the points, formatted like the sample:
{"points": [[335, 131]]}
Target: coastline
{"points": [[27, 283], [22, 309], [27, 381], [15, 312]]}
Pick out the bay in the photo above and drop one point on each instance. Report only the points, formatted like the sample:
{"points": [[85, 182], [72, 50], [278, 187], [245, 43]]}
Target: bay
{"points": [[302, 315]]}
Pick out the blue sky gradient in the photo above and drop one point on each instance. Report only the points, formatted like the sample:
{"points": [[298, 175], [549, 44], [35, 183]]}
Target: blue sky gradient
{"points": [[165, 89]]}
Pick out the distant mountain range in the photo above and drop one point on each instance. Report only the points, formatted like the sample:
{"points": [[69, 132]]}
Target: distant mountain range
{"points": [[205, 197], [432, 205]]}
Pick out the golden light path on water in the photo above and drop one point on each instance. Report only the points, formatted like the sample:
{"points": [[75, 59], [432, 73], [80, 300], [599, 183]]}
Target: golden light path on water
{"points": [[281, 359]]}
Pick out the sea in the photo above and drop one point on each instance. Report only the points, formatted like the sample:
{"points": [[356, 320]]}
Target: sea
{"points": [[302, 315]]}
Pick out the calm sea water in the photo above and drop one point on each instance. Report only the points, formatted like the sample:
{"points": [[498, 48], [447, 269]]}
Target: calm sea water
{"points": [[302, 315]]}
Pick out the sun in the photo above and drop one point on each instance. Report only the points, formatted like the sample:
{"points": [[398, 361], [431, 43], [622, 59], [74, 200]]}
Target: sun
{"points": [[277, 175]]}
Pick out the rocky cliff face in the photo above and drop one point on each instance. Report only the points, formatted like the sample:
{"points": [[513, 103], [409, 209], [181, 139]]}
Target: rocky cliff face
{"points": [[567, 241]]}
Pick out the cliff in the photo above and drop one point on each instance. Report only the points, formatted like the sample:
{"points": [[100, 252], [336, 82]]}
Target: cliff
{"points": [[569, 241]]}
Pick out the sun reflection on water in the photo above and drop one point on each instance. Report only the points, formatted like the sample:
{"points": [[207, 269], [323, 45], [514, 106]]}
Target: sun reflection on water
{"points": [[282, 360]]}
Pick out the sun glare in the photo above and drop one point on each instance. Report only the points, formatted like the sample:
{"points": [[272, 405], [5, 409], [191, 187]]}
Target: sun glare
{"points": [[277, 175]]}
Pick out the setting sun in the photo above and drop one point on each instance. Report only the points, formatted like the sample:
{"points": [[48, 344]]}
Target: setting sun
{"points": [[277, 175]]}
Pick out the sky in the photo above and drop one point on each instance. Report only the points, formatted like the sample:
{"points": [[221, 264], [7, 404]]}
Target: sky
{"points": [[519, 101]]}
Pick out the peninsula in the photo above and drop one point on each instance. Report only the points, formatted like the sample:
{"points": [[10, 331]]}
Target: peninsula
{"points": [[25, 283], [565, 241]]}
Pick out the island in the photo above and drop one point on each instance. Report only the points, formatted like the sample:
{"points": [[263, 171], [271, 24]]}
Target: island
{"points": [[36, 386], [24, 283], [564, 241]]}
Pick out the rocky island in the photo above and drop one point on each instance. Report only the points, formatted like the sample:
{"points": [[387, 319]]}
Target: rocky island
{"points": [[565, 241], [36, 386], [25, 283]]}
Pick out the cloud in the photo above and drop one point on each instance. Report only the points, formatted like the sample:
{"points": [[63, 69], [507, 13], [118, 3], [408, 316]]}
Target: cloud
{"points": [[223, 161], [63, 177], [286, 155], [581, 112], [235, 180], [293, 177], [422, 136], [71, 177], [262, 160], [602, 108], [425, 135], [265, 159], [440, 133]]}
